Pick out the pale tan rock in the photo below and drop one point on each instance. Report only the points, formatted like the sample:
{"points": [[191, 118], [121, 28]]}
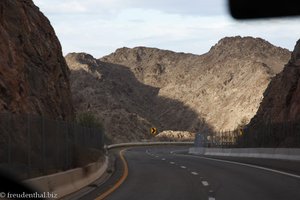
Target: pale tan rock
{"points": [[132, 90]]}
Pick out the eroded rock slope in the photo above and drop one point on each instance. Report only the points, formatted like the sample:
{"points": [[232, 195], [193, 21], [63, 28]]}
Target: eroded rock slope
{"points": [[34, 77], [277, 120], [134, 89]]}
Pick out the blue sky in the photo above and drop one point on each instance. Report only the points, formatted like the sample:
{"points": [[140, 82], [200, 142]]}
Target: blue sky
{"points": [[99, 27]]}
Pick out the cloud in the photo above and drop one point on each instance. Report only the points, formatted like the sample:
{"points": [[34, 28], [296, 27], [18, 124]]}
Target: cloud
{"points": [[193, 7], [62, 7], [100, 27], [182, 7]]}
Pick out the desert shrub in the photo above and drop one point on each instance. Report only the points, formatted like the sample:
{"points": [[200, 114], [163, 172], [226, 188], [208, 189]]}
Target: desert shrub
{"points": [[89, 120]]}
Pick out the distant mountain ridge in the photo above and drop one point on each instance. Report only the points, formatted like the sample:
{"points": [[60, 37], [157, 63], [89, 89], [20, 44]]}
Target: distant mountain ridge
{"points": [[179, 91]]}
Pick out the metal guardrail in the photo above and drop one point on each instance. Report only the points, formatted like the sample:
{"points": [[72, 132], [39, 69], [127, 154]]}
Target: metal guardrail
{"points": [[131, 144], [33, 146], [292, 154]]}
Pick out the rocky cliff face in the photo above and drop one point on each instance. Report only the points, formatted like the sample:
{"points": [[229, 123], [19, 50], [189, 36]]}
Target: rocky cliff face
{"points": [[33, 72], [224, 86], [281, 98], [132, 90], [112, 93], [126, 107]]}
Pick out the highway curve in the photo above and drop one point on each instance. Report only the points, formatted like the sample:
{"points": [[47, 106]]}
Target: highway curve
{"points": [[164, 173], [155, 173]]}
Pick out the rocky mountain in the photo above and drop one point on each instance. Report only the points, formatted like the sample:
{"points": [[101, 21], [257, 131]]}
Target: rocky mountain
{"points": [[34, 77], [224, 85], [111, 92], [281, 98], [134, 89], [277, 119], [127, 107]]}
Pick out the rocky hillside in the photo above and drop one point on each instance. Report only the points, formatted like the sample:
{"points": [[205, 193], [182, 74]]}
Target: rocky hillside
{"points": [[112, 93], [132, 90], [281, 99], [34, 77], [224, 86], [279, 111], [127, 107]]}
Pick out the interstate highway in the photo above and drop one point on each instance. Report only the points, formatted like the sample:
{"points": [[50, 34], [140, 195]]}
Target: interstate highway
{"points": [[163, 173]]}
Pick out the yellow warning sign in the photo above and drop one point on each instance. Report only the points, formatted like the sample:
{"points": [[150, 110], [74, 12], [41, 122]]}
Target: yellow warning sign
{"points": [[153, 131]]}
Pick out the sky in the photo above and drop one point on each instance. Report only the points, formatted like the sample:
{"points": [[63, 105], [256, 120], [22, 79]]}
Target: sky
{"points": [[99, 27]]}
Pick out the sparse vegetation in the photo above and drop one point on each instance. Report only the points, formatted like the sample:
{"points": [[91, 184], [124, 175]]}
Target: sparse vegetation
{"points": [[88, 119]]}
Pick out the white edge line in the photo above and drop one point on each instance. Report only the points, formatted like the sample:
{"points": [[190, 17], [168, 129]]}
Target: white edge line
{"points": [[249, 165], [205, 183]]}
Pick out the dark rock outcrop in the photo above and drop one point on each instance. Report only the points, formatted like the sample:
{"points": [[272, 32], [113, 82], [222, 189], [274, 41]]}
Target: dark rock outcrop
{"points": [[276, 123], [281, 102], [34, 77]]}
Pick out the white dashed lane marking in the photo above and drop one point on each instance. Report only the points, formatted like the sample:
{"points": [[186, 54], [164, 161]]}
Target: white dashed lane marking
{"points": [[205, 183]]}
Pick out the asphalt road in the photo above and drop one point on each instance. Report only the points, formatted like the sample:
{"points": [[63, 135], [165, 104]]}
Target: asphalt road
{"points": [[155, 173]]}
